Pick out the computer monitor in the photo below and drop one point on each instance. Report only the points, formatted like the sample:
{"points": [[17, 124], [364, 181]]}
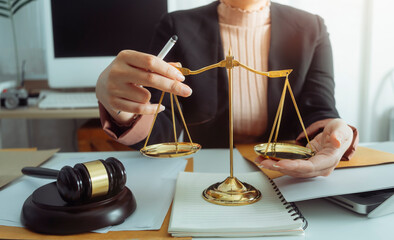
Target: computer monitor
{"points": [[84, 36]]}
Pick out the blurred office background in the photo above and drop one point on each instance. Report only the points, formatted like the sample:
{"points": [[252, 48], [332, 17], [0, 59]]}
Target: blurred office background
{"points": [[363, 47]]}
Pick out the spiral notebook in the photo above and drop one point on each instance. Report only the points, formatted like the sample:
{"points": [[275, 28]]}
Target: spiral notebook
{"points": [[193, 216]]}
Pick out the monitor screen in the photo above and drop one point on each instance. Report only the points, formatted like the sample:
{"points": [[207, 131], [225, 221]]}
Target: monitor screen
{"points": [[84, 36]]}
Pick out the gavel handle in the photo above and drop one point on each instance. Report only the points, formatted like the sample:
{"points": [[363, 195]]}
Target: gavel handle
{"points": [[40, 172]]}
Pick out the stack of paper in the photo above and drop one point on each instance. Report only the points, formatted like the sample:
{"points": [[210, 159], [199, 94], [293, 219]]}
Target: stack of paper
{"points": [[193, 216]]}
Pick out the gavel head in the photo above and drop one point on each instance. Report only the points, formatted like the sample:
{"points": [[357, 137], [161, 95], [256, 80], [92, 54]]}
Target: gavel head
{"points": [[89, 180]]}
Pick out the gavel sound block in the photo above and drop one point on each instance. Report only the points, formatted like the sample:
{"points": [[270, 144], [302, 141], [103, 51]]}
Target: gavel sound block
{"points": [[89, 196]]}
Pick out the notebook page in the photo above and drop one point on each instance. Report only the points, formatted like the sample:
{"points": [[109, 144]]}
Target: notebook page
{"points": [[191, 213]]}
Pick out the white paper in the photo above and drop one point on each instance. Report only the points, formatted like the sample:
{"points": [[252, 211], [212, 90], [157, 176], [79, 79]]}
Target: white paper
{"points": [[152, 182], [341, 181], [192, 214], [381, 146], [154, 192], [218, 160]]}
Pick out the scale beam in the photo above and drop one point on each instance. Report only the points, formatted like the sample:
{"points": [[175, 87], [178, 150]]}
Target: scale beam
{"points": [[231, 191]]}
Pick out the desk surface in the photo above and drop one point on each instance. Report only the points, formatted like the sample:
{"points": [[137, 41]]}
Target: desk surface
{"points": [[33, 112], [326, 220]]}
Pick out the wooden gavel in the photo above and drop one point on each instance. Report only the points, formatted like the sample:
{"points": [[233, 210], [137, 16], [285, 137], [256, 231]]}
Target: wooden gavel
{"points": [[85, 181]]}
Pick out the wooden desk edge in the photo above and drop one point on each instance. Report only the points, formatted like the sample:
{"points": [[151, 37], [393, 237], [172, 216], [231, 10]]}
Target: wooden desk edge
{"points": [[37, 113]]}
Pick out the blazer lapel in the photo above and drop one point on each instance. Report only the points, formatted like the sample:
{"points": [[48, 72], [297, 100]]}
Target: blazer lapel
{"points": [[276, 61], [202, 46], [209, 30]]}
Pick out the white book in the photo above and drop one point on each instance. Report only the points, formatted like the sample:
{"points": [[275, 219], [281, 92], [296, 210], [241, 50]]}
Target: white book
{"points": [[193, 216]]}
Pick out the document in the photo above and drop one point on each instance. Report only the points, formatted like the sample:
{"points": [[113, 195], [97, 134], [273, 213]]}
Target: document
{"points": [[345, 180], [193, 216], [341, 181], [365, 155], [12, 161]]}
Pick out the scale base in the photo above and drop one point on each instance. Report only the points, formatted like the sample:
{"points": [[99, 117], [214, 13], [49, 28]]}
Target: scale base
{"points": [[231, 192]]}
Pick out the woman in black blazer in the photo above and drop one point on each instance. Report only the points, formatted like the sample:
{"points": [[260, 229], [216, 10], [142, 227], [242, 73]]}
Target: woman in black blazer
{"points": [[299, 40]]}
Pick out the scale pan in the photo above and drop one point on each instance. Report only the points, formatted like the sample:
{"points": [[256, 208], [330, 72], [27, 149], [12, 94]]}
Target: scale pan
{"points": [[278, 151], [171, 149]]}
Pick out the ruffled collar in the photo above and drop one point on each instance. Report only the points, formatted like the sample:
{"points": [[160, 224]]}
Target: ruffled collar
{"points": [[243, 18]]}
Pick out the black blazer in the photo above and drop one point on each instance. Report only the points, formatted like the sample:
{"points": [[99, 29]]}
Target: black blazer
{"points": [[299, 41]]}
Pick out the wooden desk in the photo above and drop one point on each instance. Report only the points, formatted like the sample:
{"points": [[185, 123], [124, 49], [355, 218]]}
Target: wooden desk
{"points": [[33, 112], [34, 87], [90, 136]]}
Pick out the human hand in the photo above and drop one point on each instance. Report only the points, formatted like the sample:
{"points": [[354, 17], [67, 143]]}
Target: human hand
{"points": [[120, 87], [329, 145]]}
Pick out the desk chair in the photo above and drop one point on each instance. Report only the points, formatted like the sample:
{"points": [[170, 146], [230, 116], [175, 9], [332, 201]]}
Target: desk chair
{"points": [[92, 138]]}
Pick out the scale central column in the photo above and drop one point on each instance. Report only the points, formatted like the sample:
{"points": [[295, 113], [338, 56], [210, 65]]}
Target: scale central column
{"points": [[231, 192], [231, 123]]}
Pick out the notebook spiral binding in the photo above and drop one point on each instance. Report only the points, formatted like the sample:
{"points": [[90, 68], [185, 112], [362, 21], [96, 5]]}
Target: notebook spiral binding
{"points": [[290, 206]]}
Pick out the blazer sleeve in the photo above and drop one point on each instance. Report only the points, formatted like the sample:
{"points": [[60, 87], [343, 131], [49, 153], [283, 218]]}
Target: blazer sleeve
{"points": [[317, 100], [133, 132], [317, 97]]}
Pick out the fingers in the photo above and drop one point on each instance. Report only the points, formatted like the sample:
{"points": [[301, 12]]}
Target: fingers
{"points": [[335, 140], [342, 137], [295, 168], [150, 79], [339, 133], [175, 64], [120, 86], [330, 145], [147, 70], [133, 99], [289, 167], [128, 98], [322, 164], [150, 63], [133, 93], [137, 108]]}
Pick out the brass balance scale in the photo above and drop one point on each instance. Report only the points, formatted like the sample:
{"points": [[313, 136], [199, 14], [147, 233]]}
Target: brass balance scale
{"points": [[231, 192]]}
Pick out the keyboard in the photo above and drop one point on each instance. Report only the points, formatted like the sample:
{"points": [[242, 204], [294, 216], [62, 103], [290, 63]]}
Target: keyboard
{"points": [[56, 100]]}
